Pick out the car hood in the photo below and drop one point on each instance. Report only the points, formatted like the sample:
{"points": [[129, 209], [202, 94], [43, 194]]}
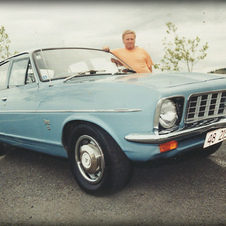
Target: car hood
{"points": [[168, 80], [134, 91]]}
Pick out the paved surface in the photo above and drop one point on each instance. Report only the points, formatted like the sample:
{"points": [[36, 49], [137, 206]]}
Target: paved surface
{"points": [[40, 190]]}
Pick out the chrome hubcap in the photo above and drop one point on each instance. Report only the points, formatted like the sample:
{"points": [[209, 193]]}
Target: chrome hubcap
{"points": [[89, 158], [86, 160]]}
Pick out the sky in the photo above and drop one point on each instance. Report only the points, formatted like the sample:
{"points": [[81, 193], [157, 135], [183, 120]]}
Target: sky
{"points": [[99, 23]]}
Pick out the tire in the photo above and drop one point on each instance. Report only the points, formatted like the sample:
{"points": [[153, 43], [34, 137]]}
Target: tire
{"points": [[2, 149], [205, 152], [98, 163]]}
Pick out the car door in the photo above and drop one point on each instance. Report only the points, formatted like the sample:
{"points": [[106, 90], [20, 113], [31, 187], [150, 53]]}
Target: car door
{"points": [[18, 101]]}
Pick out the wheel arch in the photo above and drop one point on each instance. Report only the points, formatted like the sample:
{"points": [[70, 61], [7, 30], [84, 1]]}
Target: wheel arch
{"points": [[70, 125]]}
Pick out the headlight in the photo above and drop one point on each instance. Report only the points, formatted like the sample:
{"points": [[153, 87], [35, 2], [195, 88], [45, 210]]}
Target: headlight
{"points": [[168, 114]]}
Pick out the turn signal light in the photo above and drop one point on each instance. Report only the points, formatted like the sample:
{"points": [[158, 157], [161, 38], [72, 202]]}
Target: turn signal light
{"points": [[168, 146]]}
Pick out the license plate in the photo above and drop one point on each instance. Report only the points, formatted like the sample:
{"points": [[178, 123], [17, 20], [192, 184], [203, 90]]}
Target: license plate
{"points": [[215, 137]]}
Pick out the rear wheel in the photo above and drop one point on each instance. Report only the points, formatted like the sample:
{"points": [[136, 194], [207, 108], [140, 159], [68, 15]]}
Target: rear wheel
{"points": [[98, 163]]}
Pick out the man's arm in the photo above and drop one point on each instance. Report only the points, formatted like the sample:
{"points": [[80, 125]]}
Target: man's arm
{"points": [[150, 68], [106, 48]]}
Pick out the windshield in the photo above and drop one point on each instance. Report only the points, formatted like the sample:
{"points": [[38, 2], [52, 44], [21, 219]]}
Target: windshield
{"points": [[69, 62]]}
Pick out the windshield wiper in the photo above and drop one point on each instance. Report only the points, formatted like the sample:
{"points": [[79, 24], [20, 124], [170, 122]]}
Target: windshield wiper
{"points": [[91, 72], [124, 71]]}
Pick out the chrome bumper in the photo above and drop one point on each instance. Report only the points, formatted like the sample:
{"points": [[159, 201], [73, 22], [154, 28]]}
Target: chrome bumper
{"points": [[158, 139]]}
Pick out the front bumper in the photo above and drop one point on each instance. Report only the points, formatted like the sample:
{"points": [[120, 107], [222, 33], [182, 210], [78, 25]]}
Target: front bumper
{"points": [[159, 139]]}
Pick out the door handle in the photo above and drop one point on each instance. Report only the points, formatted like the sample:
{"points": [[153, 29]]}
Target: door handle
{"points": [[4, 99]]}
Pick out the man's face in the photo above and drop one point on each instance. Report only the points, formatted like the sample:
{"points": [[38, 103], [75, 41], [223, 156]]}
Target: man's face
{"points": [[129, 41]]}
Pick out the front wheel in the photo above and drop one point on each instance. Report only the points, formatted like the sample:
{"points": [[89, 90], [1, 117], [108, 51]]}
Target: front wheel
{"points": [[98, 163], [3, 148], [205, 152]]}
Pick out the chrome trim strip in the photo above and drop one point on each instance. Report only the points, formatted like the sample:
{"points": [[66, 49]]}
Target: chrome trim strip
{"points": [[158, 139], [73, 111]]}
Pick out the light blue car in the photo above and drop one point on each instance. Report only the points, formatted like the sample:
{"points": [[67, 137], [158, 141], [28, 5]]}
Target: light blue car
{"points": [[88, 106]]}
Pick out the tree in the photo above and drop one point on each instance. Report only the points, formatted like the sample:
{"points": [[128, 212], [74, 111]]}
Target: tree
{"points": [[179, 50], [4, 43]]}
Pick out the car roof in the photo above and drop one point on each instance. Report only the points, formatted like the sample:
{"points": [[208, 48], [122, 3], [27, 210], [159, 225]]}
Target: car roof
{"points": [[30, 51]]}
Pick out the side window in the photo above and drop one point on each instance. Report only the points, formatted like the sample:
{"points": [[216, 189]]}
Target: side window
{"points": [[3, 74], [30, 77], [21, 73]]}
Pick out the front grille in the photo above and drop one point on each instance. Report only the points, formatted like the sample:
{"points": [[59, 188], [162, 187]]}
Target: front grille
{"points": [[205, 106]]}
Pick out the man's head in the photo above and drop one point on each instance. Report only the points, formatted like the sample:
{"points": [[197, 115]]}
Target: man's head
{"points": [[128, 38]]}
